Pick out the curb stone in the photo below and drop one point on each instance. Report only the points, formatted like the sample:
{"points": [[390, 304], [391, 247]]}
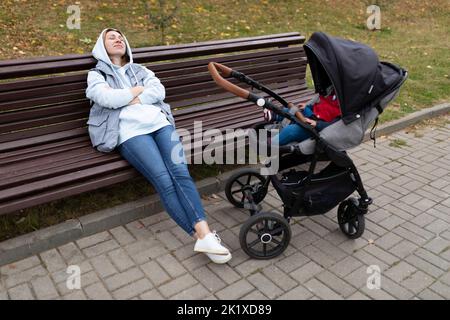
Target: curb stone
{"points": [[45, 239]]}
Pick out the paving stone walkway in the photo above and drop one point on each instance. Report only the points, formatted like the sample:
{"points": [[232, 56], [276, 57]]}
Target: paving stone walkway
{"points": [[407, 236]]}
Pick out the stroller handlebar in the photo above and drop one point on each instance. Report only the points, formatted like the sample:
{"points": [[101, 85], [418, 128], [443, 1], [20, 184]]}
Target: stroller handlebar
{"points": [[227, 85], [219, 71]]}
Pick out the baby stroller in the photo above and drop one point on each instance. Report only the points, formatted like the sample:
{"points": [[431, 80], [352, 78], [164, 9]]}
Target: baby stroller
{"points": [[364, 87]]}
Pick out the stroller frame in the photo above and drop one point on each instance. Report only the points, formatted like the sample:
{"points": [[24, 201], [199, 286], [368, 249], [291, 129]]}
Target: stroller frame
{"points": [[350, 213], [307, 195], [269, 225]]}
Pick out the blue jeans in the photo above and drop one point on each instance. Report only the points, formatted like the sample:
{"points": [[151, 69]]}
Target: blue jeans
{"points": [[292, 132], [151, 155]]}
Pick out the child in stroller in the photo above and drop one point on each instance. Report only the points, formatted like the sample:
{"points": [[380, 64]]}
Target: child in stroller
{"points": [[320, 112], [363, 87]]}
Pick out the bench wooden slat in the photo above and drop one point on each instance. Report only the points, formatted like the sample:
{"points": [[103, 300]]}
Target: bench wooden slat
{"points": [[195, 103], [186, 122], [43, 150], [46, 158], [158, 68], [15, 62], [210, 87], [39, 92], [66, 191], [165, 70], [251, 70], [49, 129], [87, 63], [29, 103], [179, 113], [64, 167], [234, 110], [228, 109], [45, 184], [4, 128], [29, 97], [45, 111], [222, 122], [78, 123], [7, 142], [208, 94]]}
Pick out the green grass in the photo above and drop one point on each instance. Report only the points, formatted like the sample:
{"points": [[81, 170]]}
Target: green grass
{"points": [[414, 34]]}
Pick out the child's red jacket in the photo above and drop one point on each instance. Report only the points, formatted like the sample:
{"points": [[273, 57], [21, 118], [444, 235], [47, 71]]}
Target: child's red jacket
{"points": [[327, 108]]}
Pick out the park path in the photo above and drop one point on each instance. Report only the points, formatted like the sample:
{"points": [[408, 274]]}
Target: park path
{"points": [[407, 236]]}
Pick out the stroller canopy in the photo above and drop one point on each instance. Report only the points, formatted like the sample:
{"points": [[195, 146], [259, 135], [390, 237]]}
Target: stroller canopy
{"points": [[360, 80]]}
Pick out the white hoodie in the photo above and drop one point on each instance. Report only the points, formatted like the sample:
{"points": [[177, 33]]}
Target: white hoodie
{"points": [[136, 119]]}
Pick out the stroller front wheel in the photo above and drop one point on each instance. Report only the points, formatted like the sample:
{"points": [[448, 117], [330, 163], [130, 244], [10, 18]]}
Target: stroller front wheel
{"points": [[243, 182], [350, 219], [265, 235]]}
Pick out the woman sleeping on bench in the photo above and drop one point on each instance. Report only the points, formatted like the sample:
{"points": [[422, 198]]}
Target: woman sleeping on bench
{"points": [[128, 112]]}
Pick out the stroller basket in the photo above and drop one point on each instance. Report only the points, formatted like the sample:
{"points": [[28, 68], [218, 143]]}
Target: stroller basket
{"points": [[324, 191], [323, 194]]}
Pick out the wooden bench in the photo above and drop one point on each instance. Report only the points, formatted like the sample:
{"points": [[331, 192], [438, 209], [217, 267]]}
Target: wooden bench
{"points": [[45, 151]]}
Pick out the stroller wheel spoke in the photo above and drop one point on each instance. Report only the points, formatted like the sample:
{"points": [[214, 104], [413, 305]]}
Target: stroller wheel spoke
{"points": [[253, 231], [275, 231], [253, 243], [236, 191], [276, 241], [265, 249], [249, 177], [240, 183]]}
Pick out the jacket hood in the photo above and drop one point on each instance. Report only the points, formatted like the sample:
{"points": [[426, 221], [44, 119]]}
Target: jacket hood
{"points": [[99, 51]]}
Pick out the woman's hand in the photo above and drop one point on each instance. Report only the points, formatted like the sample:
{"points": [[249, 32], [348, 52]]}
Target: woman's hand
{"points": [[137, 90], [136, 100]]}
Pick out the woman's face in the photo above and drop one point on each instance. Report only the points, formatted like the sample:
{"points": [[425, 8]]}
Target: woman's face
{"points": [[114, 44]]}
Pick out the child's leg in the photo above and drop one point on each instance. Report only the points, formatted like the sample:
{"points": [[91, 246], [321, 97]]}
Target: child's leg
{"points": [[278, 117], [291, 133]]}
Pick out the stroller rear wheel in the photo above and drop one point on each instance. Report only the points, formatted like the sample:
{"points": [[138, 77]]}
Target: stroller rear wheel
{"points": [[246, 181], [350, 218], [265, 235]]}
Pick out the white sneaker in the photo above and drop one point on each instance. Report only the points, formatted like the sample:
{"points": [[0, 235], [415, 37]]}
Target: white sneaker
{"points": [[219, 259], [211, 244]]}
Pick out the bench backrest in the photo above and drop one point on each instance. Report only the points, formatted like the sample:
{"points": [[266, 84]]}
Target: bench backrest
{"points": [[56, 103], [45, 152]]}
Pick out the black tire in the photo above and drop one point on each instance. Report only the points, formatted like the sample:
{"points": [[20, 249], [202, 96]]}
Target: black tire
{"points": [[265, 235], [247, 179], [351, 220]]}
